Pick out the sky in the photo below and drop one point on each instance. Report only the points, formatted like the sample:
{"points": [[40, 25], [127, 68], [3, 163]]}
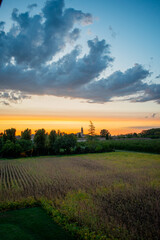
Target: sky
{"points": [[66, 62]]}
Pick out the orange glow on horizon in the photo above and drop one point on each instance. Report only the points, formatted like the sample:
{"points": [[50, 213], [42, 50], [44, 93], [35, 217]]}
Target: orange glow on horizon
{"points": [[116, 125]]}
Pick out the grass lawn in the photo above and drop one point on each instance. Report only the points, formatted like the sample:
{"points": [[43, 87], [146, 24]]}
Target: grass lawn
{"points": [[30, 224]]}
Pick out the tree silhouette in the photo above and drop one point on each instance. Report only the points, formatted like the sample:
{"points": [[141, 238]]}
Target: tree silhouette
{"points": [[91, 130], [26, 134], [9, 134], [40, 140], [0, 2], [105, 133]]}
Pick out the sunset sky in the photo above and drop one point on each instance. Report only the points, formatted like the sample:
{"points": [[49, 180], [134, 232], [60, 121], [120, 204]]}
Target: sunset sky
{"points": [[66, 62]]}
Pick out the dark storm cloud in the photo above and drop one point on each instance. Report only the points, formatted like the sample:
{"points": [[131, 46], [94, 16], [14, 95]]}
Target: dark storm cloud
{"points": [[33, 41]]}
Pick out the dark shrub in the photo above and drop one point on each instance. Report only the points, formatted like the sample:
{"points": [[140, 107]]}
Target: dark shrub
{"points": [[11, 150], [65, 143], [27, 147]]}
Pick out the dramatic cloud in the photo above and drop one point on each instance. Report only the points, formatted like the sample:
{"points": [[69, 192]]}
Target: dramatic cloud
{"points": [[34, 40], [27, 64], [117, 85], [61, 77], [152, 92], [12, 96]]}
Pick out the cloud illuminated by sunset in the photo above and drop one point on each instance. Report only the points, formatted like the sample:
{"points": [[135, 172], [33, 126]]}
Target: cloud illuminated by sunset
{"points": [[53, 74]]}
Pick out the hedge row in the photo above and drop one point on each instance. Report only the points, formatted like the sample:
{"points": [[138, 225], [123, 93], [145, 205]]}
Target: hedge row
{"points": [[139, 145]]}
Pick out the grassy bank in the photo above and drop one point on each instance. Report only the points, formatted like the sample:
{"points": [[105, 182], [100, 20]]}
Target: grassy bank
{"points": [[30, 224]]}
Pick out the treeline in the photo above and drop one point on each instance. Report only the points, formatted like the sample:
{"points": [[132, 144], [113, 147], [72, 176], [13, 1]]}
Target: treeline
{"points": [[153, 133], [54, 143], [139, 145]]}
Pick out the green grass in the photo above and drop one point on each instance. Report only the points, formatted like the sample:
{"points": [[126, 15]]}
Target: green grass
{"points": [[30, 224]]}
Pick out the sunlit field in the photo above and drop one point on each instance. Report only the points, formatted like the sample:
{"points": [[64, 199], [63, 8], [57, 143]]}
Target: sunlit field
{"points": [[115, 193]]}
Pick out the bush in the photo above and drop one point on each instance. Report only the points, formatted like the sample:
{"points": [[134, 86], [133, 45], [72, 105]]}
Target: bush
{"points": [[81, 148], [11, 150], [93, 146], [27, 147], [65, 143]]}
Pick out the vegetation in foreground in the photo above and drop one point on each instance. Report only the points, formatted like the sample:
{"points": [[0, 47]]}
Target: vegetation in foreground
{"points": [[116, 195], [30, 224]]}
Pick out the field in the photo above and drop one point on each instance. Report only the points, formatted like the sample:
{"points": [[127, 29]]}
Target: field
{"points": [[115, 194]]}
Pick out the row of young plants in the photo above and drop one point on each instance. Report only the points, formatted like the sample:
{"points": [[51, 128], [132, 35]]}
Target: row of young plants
{"points": [[80, 232]]}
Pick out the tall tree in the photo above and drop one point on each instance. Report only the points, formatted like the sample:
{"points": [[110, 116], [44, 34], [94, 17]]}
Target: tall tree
{"points": [[40, 141], [26, 134], [51, 140], [91, 130], [9, 134], [105, 133]]}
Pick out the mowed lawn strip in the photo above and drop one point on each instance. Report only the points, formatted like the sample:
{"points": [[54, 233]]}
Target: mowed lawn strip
{"points": [[30, 224]]}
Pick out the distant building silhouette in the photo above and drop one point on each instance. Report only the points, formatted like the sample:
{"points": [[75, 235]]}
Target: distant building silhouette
{"points": [[82, 131], [80, 134]]}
